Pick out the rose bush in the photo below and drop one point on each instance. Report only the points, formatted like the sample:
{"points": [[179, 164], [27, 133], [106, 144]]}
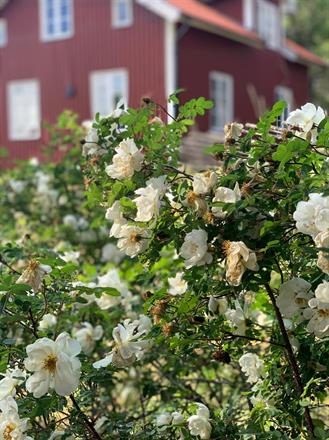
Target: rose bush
{"points": [[141, 300]]}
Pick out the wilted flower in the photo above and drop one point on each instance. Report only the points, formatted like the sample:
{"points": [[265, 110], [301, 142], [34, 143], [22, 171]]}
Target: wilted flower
{"points": [[128, 346], [149, 198], [252, 366], [48, 320], [11, 426], [195, 249], [127, 160], [87, 336], [177, 285], [133, 240], [199, 424], [225, 195], [293, 298], [319, 322], [34, 274], [203, 183], [312, 217], [322, 241], [12, 379], [232, 131], [54, 364], [239, 258]]}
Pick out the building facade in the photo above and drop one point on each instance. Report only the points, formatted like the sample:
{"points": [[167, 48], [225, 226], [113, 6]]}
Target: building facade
{"points": [[85, 55]]}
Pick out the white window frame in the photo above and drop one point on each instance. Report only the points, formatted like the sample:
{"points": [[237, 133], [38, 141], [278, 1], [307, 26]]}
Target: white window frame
{"points": [[96, 76], [229, 98], [116, 21], [284, 93], [3, 32], [43, 20], [249, 14], [269, 23], [13, 134]]}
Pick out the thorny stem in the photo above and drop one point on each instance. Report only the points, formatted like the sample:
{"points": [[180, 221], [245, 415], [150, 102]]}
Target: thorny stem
{"points": [[4, 262], [291, 358], [89, 424]]}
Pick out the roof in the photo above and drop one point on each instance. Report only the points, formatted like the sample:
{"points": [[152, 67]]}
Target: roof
{"points": [[198, 13], [304, 55]]}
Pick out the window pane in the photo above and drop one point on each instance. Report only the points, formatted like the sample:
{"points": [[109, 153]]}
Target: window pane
{"points": [[122, 10]]}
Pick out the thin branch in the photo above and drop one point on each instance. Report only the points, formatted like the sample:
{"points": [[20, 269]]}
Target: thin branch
{"points": [[291, 358], [89, 424]]}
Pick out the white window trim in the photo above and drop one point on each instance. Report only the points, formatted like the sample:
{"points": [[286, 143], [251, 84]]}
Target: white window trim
{"points": [[11, 133], [249, 14], [92, 97], [116, 23], [274, 12], [214, 75], [44, 36], [4, 26]]}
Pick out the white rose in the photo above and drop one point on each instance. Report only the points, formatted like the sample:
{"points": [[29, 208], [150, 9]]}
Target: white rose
{"points": [[11, 380], [199, 424], [11, 426], [252, 366], [115, 215], [177, 418], [87, 336], [306, 117], [149, 201], [195, 249], [133, 240], [322, 241], [112, 279], [237, 318], [163, 419], [312, 217], [127, 160], [293, 297], [48, 320], [54, 364], [128, 344], [319, 322], [110, 253], [225, 195], [177, 285]]}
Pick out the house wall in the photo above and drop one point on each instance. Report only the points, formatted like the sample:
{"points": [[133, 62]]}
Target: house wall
{"points": [[58, 64], [201, 52]]}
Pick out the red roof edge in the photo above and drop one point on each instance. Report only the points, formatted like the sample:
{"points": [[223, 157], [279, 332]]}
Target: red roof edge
{"points": [[201, 15], [303, 54]]}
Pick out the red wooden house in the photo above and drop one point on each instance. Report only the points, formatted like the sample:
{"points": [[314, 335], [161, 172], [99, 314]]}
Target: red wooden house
{"points": [[86, 54]]}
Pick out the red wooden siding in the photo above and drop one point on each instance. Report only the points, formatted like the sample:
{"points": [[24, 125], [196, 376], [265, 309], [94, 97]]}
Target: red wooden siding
{"points": [[201, 52], [58, 64]]}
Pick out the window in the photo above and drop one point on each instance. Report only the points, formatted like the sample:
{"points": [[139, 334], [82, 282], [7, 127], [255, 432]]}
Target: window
{"points": [[269, 23], [122, 13], [283, 93], [56, 19], [221, 92], [3, 32], [107, 87], [24, 115]]}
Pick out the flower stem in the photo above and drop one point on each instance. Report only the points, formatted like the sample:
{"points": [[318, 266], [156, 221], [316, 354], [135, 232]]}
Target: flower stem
{"points": [[89, 424], [291, 358]]}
